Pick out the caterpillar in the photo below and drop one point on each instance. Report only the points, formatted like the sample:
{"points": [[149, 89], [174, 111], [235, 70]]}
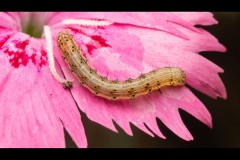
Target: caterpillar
{"points": [[115, 90]]}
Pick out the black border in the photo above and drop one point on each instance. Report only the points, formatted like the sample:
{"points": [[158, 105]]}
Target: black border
{"points": [[119, 154], [120, 5]]}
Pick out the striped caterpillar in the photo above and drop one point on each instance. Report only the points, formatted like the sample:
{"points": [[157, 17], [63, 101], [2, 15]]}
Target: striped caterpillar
{"points": [[115, 90]]}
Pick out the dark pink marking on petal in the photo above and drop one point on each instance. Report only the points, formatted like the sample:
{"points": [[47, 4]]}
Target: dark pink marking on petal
{"points": [[18, 57], [33, 58], [100, 40], [96, 43], [90, 47], [4, 40], [21, 52], [76, 30], [22, 44], [43, 58], [97, 40]]}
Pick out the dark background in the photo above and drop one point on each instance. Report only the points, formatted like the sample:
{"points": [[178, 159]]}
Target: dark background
{"points": [[225, 113]]}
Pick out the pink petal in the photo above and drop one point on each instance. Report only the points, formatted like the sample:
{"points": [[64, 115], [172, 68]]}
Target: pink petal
{"points": [[70, 117], [8, 22], [25, 111], [172, 51], [142, 110], [34, 108], [156, 20], [121, 51], [180, 97], [202, 18]]}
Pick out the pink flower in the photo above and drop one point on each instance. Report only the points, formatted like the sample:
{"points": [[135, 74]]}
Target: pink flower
{"points": [[34, 106]]}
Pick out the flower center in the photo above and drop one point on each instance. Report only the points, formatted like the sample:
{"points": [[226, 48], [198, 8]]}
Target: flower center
{"points": [[33, 26]]}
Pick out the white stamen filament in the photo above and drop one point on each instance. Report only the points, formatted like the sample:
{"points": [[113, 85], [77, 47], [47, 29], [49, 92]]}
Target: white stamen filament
{"points": [[88, 22], [49, 47]]}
